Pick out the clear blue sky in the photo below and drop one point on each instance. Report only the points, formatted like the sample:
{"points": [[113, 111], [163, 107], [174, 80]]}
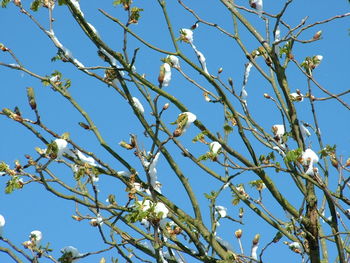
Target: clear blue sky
{"points": [[32, 208]]}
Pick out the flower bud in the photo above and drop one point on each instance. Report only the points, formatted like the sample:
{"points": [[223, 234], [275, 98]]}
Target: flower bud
{"points": [[267, 96], [256, 239], [241, 212], [220, 70], [317, 35], [347, 163], [238, 233], [166, 106], [126, 145], [77, 218]]}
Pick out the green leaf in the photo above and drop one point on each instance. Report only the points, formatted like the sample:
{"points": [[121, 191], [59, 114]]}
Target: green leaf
{"points": [[258, 184], [327, 151], [3, 167], [135, 15], [35, 5], [62, 2], [293, 155], [52, 150], [236, 200], [4, 3], [13, 184], [227, 128], [200, 137]]}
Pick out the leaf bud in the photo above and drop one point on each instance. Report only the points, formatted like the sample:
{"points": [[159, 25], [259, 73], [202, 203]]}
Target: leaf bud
{"points": [[220, 70], [277, 237], [267, 96], [31, 98]]}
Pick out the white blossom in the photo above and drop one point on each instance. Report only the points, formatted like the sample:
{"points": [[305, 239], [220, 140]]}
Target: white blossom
{"points": [[202, 60], [62, 146], [138, 105], [96, 221], [74, 252], [2, 224], [174, 60], [145, 204], [254, 252], [215, 147], [221, 210], [167, 75], [89, 160], [304, 131], [295, 245], [317, 60], [187, 35], [153, 170], [244, 94], [190, 119], [161, 210], [258, 5], [296, 97], [309, 158], [36, 236], [278, 130]]}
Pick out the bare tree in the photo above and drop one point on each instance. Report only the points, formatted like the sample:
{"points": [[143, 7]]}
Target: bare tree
{"points": [[234, 151]]}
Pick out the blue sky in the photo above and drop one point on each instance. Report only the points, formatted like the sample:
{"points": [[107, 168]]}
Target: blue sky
{"points": [[32, 208]]}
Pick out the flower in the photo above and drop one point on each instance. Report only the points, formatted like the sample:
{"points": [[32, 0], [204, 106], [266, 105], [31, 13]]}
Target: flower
{"points": [[89, 160], [183, 121], [35, 237], [164, 75], [317, 60], [304, 131], [296, 247], [72, 252], [221, 210], [138, 105], [215, 147], [186, 35], [62, 146], [296, 97], [2, 224], [174, 61], [254, 250], [278, 130], [258, 5], [202, 59], [309, 158], [161, 210], [97, 221]]}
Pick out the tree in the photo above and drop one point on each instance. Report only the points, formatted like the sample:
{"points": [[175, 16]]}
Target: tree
{"points": [[151, 113]]}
